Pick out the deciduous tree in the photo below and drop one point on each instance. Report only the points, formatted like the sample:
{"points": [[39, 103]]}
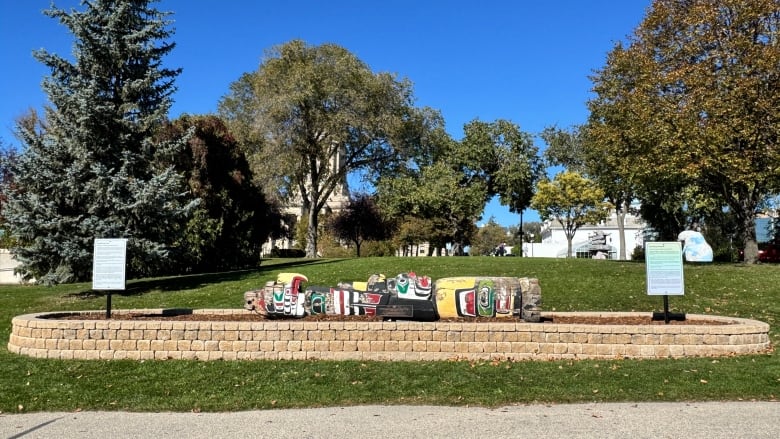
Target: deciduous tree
{"points": [[519, 165], [565, 147], [439, 193], [572, 200], [233, 218], [321, 113], [493, 158], [359, 221], [488, 238], [700, 81], [580, 149]]}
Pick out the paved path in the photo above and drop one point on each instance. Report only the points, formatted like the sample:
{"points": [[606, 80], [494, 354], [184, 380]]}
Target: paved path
{"points": [[611, 420]]}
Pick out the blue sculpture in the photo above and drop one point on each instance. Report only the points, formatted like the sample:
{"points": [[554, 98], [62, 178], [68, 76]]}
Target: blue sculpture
{"points": [[695, 247]]}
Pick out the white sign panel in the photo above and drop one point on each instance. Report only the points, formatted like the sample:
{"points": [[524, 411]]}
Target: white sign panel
{"points": [[108, 264], [664, 268]]}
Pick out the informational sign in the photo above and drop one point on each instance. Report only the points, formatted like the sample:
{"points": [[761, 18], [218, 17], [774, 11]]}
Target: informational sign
{"points": [[108, 264], [664, 268]]}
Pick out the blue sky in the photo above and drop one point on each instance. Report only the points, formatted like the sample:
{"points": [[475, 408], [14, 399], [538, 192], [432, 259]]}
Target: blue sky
{"points": [[523, 60]]}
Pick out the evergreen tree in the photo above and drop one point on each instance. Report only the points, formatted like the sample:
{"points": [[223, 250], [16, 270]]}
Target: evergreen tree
{"points": [[8, 157], [93, 170]]}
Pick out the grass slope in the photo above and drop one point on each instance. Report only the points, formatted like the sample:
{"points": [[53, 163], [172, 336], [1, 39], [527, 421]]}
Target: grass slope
{"points": [[28, 384]]}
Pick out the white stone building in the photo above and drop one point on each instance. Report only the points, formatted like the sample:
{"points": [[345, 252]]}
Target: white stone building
{"points": [[7, 266], [554, 243], [337, 200]]}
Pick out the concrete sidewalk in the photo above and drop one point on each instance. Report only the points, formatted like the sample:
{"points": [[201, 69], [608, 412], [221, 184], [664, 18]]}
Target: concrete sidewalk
{"points": [[610, 420]]}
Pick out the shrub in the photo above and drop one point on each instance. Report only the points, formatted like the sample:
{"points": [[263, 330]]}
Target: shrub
{"points": [[287, 253], [638, 253], [378, 248]]}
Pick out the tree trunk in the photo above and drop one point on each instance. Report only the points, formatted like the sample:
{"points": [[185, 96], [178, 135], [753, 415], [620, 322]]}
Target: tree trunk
{"points": [[457, 249], [748, 224], [311, 234], [621, 224], [569, 229]]}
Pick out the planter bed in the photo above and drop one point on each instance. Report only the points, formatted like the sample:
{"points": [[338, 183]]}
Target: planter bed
{"points": [[228, 334]]}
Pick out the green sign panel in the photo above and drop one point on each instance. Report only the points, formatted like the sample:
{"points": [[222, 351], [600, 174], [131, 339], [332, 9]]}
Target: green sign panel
{"points": [[664, 268]]}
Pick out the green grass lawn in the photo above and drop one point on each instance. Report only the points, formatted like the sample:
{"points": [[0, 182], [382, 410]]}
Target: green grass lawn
{"points": [[28, 384]]}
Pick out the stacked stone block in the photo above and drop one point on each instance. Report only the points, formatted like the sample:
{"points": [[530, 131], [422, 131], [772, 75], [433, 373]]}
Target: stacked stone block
{"points": [[379, 340]]}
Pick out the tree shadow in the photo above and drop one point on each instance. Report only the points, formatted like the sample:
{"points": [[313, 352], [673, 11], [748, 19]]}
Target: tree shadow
{"points": [[139, 287]]}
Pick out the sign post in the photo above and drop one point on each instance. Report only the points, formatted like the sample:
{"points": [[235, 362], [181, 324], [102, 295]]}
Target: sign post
{"points": [[665, 274], [108, 267]]}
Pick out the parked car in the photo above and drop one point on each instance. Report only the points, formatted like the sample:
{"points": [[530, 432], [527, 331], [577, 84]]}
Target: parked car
{"points": [[767, 252]]}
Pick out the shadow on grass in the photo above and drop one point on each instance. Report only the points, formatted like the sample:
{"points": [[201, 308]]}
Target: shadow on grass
{"points": [[296, 263], [193, 281]]}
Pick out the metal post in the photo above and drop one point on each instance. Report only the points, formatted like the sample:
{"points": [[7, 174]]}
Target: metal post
{"points": [[666, 309], [522, 234], [666, 315]]}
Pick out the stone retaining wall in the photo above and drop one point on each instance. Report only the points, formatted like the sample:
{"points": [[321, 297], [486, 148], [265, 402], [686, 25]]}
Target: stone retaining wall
{"points": [[369, 340]]}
